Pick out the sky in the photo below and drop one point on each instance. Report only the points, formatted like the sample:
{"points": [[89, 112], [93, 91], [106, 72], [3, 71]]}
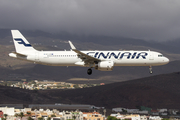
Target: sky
{"points": [[145, 19]]}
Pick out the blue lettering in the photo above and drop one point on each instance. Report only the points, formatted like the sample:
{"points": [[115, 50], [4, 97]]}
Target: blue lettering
{"points": [[96, 54], [103, 55], [115, 56], [142, 54], [134, 55], [120, 55], [128, 54]]}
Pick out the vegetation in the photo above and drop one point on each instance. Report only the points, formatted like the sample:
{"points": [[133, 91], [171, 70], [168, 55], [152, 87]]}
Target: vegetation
{"points": [[5, 116], [165, 119], [53, 115], [16, 115], [49, 118], [112, 118], [40, 118], [21, 115], [28, 113], [30, 118]]}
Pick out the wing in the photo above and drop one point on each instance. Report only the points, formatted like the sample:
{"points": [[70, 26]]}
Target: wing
{"points": [[86, 58]]}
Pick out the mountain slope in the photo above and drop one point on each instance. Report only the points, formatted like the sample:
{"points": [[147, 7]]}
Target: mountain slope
{"points": [[161, 91]]}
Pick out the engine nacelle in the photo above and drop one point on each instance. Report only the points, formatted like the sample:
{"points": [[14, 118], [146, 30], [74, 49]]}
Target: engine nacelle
{"points": [[105, 66]]}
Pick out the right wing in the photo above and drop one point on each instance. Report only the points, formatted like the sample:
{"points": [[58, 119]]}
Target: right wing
{"points": [[86, 58]]}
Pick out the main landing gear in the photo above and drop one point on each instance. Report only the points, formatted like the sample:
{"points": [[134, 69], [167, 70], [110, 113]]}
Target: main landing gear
{"points": [[89, 71], [150, 70]]}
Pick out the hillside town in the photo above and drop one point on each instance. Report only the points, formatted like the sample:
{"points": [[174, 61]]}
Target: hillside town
{"points": [[86, 112], [45, 84]]}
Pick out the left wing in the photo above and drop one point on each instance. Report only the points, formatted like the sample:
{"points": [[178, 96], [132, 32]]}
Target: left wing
{"points": [[83, 56]]}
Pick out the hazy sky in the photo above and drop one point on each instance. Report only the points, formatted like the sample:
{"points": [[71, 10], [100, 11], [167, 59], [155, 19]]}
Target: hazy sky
{"points": [[146, 19]]}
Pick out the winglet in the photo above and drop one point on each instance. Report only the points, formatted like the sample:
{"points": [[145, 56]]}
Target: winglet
{"points": [[72, 46]]}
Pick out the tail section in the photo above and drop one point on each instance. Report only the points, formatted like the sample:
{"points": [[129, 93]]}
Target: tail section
{"points": [[20, 42]]}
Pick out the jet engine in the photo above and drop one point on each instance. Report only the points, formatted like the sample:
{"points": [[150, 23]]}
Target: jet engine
{"points": [[105, 66]]}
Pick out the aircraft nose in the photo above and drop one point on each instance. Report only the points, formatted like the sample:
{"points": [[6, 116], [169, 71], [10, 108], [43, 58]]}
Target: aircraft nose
{"points": [[166, 60]]}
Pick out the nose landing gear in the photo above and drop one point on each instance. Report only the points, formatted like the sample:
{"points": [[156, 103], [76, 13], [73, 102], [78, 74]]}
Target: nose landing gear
{"points": [[150, 70], [89, 71]]}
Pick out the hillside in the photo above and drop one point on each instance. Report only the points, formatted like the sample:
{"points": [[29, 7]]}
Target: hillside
{"points": [[161, 91]]}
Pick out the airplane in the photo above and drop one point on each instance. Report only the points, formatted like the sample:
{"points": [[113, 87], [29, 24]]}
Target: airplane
{"points": [[100, 60]]}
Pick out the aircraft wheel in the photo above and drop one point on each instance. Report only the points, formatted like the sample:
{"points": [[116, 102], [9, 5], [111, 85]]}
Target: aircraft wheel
{"points": [[150, 70], [89, 71]]}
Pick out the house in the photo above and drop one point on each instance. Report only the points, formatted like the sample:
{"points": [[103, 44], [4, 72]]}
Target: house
{"points": [[93, 116], [66, 115], [154, 118], [133, 117], [143, 117], [118, 109], [154, 112], [1, 114]]}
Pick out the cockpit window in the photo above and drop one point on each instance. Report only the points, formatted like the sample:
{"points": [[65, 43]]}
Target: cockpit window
{"points": [[160, 55]]}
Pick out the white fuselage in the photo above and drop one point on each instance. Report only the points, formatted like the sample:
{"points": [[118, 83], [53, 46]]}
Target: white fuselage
{"points": [[120, 58], [100, 60]]}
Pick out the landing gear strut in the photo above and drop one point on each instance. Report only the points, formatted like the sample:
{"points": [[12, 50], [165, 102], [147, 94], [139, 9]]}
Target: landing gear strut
{"points": [[150, 70], [89, 71]]}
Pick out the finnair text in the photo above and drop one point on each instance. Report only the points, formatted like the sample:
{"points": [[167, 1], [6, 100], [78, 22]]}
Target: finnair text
{"points": [[118, 55]]}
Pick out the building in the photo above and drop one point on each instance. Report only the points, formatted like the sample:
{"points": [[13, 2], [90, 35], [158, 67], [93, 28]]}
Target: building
{"points": [[8, 111], [1, 114], [62, 106], [93, 116]]}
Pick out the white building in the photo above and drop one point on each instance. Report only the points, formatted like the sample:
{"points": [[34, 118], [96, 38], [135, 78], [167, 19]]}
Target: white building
{"points": [[154, 118], [8, 111], [118, 109], [132, 110], [133, 117], [69, 115], [143, 117], [143, 112], [162, 110]]}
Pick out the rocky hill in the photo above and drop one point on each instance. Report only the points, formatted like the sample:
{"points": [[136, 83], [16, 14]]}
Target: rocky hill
{"points": [[161, 91]]}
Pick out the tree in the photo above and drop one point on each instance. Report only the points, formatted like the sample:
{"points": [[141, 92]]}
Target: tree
{"points": [[49, 118], [16, 115], [111, 118], [74, 117], [40, 118], [5, 116], [53, 115], [28, 113], [21, 115], [165, 119], [30, 118]]}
